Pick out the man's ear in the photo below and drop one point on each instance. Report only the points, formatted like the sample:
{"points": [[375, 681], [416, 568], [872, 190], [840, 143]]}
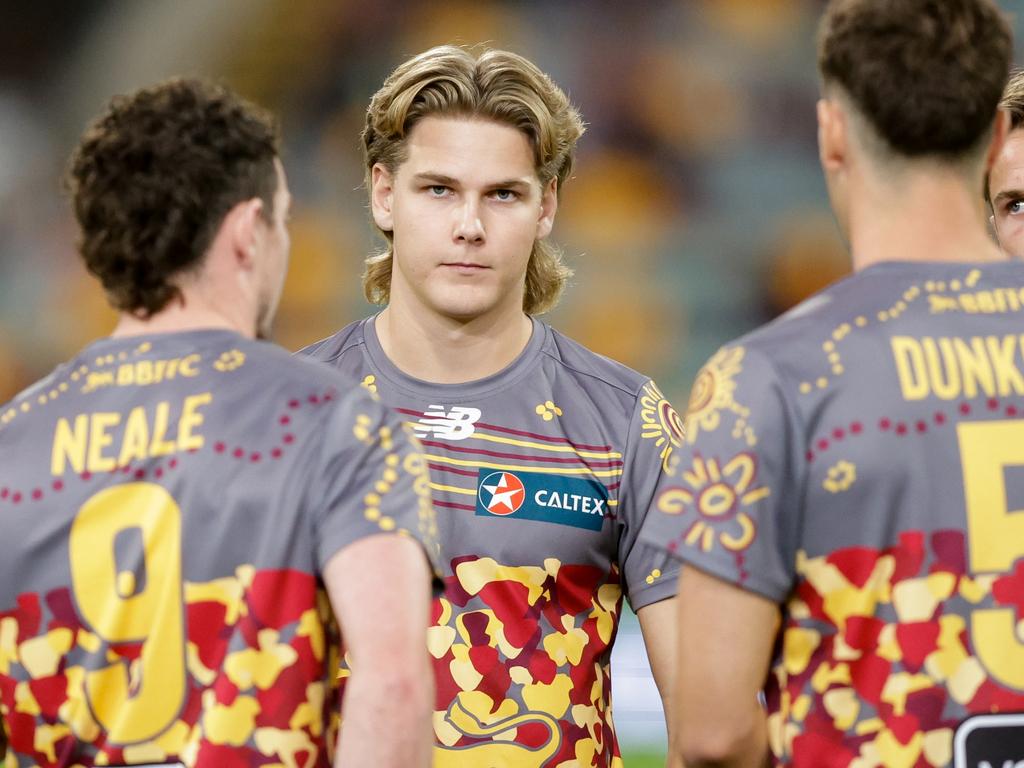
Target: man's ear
{"points": [[833, 136], [548, 208], [1000, 130], [382, 196], [243, 228]]}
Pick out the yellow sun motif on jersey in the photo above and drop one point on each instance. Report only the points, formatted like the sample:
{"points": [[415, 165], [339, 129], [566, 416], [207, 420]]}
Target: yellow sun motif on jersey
{"points": [[661, 423], [716, 498], [713, 393]]}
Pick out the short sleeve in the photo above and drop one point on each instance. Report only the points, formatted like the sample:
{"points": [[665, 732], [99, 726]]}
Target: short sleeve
{"points": [[655, 432], [730, 505], [372, 478]]}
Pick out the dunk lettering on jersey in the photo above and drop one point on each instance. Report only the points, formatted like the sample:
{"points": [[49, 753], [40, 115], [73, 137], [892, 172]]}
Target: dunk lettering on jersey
{"points": [[542, 476], [170, 503], [861, 462]]}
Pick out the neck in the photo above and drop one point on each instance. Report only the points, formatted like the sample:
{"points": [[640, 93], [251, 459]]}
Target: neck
{"points": [[181, 314], [928, 215], [446, 350]]}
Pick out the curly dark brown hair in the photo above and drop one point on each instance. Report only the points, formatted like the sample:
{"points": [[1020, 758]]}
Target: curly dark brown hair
{"points": [[926, 74], [153, 178]]}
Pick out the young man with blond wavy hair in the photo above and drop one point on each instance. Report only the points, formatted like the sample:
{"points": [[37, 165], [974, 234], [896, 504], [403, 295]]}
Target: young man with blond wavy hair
{"points": [[544, 455]]}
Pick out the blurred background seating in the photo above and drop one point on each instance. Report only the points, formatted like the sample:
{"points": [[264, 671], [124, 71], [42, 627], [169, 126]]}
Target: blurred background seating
{"points": [[698, 210]]}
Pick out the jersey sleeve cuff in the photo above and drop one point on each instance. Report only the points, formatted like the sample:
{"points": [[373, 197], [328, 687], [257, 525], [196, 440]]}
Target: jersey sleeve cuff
{"points": [[662, 588]]}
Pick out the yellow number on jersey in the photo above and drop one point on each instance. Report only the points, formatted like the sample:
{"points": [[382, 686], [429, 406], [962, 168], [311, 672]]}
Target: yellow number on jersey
{"points": [[132, 705], [995, 536]]}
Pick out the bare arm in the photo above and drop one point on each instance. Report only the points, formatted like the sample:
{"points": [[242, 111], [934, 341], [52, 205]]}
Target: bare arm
{"points": [[658, 625], [380, 589], [726, 635]]}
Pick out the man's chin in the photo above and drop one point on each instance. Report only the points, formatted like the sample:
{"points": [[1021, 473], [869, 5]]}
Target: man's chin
{"points": [[467, 309]]}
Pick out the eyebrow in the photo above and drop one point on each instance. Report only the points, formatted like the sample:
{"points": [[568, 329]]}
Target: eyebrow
{"points": [[1008, 194], [449, 181]]}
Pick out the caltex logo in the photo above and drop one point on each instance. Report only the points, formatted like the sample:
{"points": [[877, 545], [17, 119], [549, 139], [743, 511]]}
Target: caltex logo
{"points": [[502, 493]]}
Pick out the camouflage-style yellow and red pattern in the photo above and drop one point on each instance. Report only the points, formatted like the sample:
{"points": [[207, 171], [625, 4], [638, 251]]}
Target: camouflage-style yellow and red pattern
{"points": [[521, 659], [261, 678], [877, 664]]}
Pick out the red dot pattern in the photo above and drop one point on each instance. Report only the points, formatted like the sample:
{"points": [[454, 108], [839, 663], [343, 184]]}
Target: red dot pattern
{"points": [[285, 420], [900, 428]]}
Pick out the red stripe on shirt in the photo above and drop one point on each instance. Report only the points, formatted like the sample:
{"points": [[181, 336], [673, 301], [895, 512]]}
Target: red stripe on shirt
{"points": [[520, 457]]}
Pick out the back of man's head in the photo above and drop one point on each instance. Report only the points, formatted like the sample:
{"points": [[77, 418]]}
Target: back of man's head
{"points": [[153, 178], [925, 75]]}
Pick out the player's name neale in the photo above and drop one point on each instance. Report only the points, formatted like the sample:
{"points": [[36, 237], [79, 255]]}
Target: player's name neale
{"points": [[105, 441], [952, 367]]}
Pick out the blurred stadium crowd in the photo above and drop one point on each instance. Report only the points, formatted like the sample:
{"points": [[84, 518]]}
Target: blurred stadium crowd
{"points": [[697, 211]]}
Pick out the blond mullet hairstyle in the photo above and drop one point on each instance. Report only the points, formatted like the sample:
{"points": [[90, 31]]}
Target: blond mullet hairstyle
{"points": [[496, 85]]}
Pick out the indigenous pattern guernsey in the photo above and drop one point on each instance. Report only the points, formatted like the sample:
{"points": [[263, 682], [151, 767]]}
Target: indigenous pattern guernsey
{"points": [[542, 476], [167, 504], [860, 461]]}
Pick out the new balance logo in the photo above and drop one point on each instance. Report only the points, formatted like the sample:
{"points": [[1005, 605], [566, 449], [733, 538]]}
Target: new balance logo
{"points": [[456, 424]]}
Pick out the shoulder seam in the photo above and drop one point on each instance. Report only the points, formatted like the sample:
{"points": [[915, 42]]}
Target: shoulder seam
{"points": [[632, 393], [353, 341]]}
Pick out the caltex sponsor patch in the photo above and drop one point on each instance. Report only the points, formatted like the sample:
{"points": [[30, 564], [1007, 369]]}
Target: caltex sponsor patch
{"points": [[575, 501]]}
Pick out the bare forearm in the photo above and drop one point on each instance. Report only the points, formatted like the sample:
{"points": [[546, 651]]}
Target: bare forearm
{"points": [[725, 745], [386, 721], [674, 759]]}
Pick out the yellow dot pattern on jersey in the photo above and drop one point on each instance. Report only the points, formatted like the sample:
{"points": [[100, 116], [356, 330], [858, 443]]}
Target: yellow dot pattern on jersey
{"points": [[547, 410]]}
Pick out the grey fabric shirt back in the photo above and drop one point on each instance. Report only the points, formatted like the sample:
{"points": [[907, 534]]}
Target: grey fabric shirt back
{"points": [[169, 503], [860, 461], [542, 476]]}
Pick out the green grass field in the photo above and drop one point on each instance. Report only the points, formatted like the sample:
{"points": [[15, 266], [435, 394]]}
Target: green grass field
{"points": [[635, 759]]}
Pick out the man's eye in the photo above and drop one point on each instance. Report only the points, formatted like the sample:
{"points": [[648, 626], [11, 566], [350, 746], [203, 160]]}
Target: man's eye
{"points": [[1014, 207], [437, 190], [504, 194]]}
